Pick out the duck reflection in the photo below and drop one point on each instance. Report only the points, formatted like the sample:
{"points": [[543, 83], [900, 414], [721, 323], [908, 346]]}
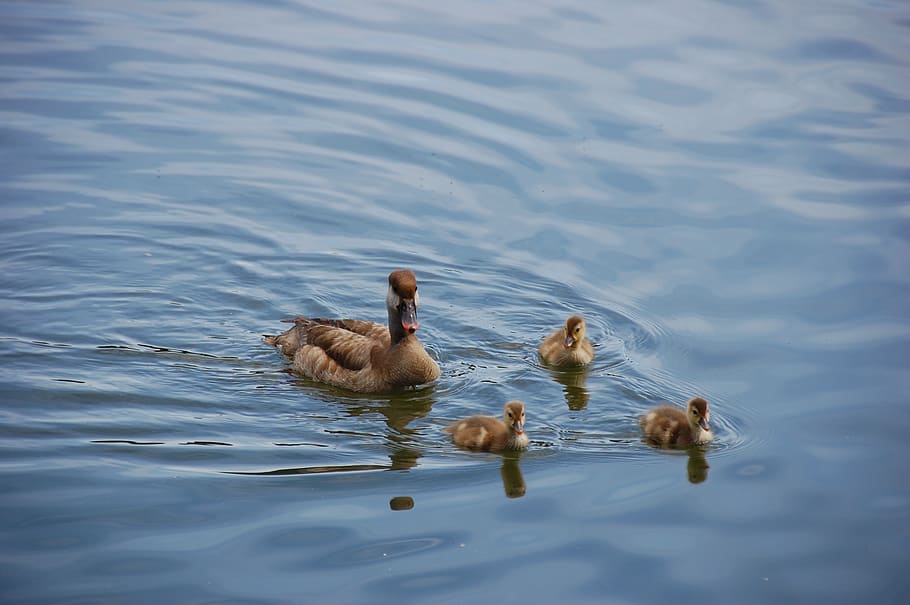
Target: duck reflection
{"points": [[697, 467], [399, 411], [513, 482], [573, 386], [401, 503], [403, 458]]}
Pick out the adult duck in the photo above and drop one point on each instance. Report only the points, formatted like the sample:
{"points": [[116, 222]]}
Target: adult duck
{"points": [[361, 355]]}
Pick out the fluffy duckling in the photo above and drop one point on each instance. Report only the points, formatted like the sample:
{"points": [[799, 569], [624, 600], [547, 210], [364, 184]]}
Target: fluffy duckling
{"points": [[489, 433], [361, 355], [669, 427], [568, 346]]}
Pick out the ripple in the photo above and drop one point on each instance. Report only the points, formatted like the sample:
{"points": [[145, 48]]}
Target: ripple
{"points": [[178, 179], [378, 552]]}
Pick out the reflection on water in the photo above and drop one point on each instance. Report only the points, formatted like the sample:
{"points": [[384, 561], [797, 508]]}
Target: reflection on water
{"points": [[398, 412], [404, 458], [697, 467], [401, 503], [733, 221], [513, 482], [574, 389], [696, 460], [315, 470]]}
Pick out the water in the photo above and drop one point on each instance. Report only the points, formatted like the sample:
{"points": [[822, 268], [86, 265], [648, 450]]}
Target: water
{"points": [[720, 188]]}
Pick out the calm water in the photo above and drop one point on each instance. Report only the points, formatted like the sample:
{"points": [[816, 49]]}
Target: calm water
{"points": [[721, 188]]}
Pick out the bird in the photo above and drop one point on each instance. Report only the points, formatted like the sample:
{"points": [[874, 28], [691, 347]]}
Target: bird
{"points": [[359, 355], [568, 346], [669, 426], [488, 433]]}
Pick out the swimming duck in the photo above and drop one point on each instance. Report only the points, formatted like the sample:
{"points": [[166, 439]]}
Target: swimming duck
{"points": [[568, 346], [670, 427], [490, 433], [361, 355]]}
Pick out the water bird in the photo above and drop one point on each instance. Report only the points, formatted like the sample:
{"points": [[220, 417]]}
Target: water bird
{"points": [[568, 346], [488, 433], [668, 426], [360, 355]]}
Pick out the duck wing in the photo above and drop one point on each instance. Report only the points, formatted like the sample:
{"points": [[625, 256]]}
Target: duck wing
{"points": [[348, 348], [369, 329]]}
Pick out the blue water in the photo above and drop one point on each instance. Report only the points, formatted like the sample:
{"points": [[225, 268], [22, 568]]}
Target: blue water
{"points": [[721, 188]]}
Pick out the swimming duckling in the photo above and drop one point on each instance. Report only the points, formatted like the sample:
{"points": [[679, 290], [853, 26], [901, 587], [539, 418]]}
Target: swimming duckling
{"points": [[361, 355], [568, 346], [491, 433], [669, 427]]}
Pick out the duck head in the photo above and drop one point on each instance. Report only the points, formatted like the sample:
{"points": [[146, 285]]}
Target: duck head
{"points": [[699, 414], [402, 301], [514, 416], [575, 331]]}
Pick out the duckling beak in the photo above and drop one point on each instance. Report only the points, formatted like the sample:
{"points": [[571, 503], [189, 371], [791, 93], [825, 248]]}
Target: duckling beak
{"points": [[570, 340], [518, 426], [409, 316], [703, 423]]}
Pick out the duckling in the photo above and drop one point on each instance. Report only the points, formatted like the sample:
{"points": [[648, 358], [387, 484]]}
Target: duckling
{"points": [[669, 427], [568, 346], [489, 433], [361, 355]]}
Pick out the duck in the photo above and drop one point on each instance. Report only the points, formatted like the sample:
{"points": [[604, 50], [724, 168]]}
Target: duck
{"points": [[488, 433], [568, 346], [669, 426], [359, 355]]}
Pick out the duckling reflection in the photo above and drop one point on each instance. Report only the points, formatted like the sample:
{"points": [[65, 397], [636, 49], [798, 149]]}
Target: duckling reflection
{"points": [[697, 467], [573, 386], [513, 482]]}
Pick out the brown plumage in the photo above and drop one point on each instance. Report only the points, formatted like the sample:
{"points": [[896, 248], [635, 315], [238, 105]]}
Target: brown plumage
{"points": [[668, 426], [361, 355], [491, 433], [568, 345]]}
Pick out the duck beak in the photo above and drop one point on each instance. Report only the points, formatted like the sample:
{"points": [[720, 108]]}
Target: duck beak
{"points": [[703, 423], [570, 340], [518, 426], [408, 312]]}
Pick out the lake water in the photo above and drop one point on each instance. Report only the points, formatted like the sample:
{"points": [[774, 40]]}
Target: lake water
{"points": [[721, 188]]}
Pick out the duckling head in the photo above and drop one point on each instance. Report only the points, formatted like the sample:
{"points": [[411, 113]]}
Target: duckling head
{"points": [[402, 299], [514, 415], [575, 331], [699, 414]]}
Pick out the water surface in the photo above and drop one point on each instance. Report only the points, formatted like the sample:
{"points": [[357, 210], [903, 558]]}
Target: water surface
{"points": [[721, 189]]}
